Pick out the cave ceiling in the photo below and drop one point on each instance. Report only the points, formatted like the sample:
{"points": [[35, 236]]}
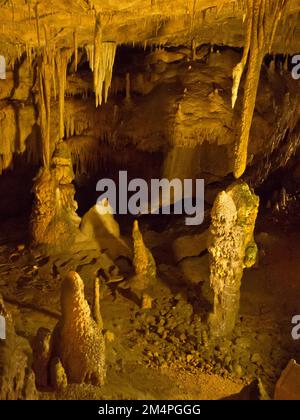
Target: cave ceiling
{"points": [[30, 24]]}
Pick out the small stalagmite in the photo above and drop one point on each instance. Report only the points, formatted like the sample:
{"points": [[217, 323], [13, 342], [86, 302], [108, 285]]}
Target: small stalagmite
{"points": [[232, 248], [41, 356], [144, 267]]}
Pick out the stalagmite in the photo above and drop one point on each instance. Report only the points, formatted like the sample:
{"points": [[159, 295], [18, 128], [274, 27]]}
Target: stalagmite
{"points": [[78, 341], [263, 18], [54, 222], [41, 347], [232, 248], [144, 268]]}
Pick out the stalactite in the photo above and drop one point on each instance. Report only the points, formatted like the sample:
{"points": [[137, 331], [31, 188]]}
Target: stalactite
{"points": [[90, 55], [62, 57], [104, 56], [44, 75], [75, 49], [54, 78], [37, 23], [263, 18], [239, 68]]}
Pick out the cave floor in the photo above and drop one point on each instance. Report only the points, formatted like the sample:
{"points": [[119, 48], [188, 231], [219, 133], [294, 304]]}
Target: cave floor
{"points": [[163, 352]]}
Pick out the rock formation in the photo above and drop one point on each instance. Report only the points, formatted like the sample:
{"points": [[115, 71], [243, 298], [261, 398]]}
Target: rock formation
{"points": [[54, 222], [262, 20], [17, 381], [99, 225], [144, 267], [78, 341], [42, 348], [232, 248]]}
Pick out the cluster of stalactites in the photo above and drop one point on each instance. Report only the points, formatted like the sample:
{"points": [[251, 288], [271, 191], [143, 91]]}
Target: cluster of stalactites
{"points": [[52, 73], [101, 57], [262, 20]]}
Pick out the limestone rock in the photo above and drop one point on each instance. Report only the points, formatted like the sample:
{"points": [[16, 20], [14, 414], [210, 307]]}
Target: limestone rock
{"points": [[195, 270], [58, 377], [78, 341], [54, 221], [189, 245], [143, 262], [41, 356], [17, 381], [231, 247]]}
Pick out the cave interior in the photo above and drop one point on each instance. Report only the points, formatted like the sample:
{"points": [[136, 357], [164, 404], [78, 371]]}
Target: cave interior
{"points": [[98, 303]]}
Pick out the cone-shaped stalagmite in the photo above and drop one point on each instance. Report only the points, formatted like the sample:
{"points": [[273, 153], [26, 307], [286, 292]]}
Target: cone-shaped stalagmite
{"points": [[143, 260], [231, 248], [78, 340], [144, 267]]}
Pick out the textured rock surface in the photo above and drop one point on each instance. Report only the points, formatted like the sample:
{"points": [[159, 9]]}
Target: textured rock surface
{"points": [[231, 247], [143, 262], [78, 341], [189, 245], [175, 21], [189, 115], [17, 380], [54, 222], [42, 348], [104, 230]]}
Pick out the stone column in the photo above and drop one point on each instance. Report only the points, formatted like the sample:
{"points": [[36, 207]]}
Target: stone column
{"points": [[232, 248]]}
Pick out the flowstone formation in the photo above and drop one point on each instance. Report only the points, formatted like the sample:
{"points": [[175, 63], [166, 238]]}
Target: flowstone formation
{"points": [[54, 222], [16, 376], [232, 248], [78, 341], [144, 267]]}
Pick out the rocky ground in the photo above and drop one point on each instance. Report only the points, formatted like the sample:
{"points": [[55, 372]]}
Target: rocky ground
{"points": [[165, 352]]}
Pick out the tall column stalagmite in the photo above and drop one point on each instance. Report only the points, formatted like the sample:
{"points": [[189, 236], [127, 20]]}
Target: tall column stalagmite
{"points": [[232, 248]]}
